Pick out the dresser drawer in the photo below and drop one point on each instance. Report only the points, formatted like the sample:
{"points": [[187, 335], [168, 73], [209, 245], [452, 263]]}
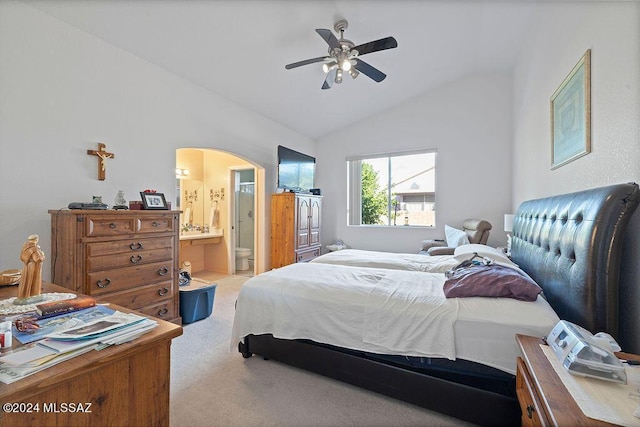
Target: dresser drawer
{"points": [[532, 412], [159, 224], [128, 246], [164, 310], [128, 259], [144, 296], [96, 226], [308, 255], [106, 282]]}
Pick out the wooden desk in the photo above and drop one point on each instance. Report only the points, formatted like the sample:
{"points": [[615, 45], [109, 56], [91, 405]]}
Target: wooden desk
{"points": [[543, 398], [125, 385]]}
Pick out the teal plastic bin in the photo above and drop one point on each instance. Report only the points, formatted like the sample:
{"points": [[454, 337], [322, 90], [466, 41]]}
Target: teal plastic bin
{"points": [[196, 300]]}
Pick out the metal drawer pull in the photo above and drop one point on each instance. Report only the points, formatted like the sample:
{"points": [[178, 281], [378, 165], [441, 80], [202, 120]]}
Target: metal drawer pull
{"points": [[155, 224], [113, 226], [162, 292], [530, 411], [163, 271], [135, 246], [103, 283], [163, 311], [135, 259]]}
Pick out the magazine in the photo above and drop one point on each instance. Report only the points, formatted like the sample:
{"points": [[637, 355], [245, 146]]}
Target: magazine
{"points": [[63, 322], [97, 327], [100, 330], [113, 336], [10, 373]]}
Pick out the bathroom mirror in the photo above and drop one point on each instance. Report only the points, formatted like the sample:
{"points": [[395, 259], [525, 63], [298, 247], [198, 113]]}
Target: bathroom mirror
{"points": [[191, 202]]}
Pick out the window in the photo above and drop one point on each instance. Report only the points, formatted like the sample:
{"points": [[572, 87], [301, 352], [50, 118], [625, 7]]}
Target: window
{"points": [[392, 189]]}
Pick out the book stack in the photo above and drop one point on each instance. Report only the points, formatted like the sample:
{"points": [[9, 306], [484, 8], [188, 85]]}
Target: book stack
{"points": [[63, 337], [55, 308]]}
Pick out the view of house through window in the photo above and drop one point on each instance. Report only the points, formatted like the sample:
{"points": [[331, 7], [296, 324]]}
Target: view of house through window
{"points": [[392, 189]]}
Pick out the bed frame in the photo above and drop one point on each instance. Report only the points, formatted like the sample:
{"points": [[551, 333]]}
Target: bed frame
{"points": [[570, 244]]}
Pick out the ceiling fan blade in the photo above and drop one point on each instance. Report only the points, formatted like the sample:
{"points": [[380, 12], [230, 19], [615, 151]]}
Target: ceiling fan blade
{"points": [[328, 81], [328, 36], [305, 62], [374, 46], [369, 71]]}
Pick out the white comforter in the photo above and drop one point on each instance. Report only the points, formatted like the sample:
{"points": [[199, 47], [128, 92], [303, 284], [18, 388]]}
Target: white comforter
{"points": [[392, 260], [385, 311]]}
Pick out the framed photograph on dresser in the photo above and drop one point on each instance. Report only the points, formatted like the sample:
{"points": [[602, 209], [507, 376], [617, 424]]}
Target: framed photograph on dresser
{"points": [[571, 115], [154, 201]]}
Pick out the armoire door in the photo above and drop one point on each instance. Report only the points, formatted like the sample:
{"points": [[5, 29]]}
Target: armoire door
{"points": [[302, 221]]}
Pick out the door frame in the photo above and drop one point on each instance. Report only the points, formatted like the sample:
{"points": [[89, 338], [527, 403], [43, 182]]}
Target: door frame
{"points": [[259, 218]]}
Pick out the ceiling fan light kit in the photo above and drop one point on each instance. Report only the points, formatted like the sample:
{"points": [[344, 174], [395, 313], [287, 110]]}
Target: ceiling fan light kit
{"points": [[344, 56]]}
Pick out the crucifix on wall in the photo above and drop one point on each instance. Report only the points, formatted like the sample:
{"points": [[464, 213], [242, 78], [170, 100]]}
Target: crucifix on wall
{"points": [[103, 155]]}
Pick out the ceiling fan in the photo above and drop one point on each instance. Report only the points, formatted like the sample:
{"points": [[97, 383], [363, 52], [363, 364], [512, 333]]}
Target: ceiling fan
{"points": [[344, 56]]}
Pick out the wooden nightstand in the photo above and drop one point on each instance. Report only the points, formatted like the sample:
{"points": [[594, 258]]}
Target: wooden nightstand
{"points": [[543, 398]]}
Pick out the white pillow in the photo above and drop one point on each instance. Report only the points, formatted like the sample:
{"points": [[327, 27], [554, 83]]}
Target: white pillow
{"points": [[462, 253], [455, 237]]}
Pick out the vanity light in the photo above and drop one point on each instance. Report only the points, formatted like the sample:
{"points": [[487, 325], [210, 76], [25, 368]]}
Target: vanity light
{"points": [[181, 173]]}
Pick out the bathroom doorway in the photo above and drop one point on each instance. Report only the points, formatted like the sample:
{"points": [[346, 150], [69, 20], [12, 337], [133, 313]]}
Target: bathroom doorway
{"points": [[208, 242], [242, 180]]}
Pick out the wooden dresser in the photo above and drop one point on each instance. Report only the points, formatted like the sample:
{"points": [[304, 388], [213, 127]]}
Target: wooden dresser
{"points": [[129, 258], [122, 385], [295, 228]]}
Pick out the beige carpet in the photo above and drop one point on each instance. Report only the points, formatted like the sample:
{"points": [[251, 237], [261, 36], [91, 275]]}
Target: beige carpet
{"points": [[212, 386]]}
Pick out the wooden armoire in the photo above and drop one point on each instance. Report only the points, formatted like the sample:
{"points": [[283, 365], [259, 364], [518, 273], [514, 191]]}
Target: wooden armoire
{"points": [[295, 228]]}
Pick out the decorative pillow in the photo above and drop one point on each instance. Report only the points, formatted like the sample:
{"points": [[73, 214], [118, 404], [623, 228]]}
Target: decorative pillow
{"points": [[455, 237], [494, 281], [465, 252]]}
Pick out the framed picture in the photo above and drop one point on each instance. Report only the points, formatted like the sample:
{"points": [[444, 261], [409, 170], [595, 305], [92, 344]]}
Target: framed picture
{"points": [[153, 201], [571, 115]]}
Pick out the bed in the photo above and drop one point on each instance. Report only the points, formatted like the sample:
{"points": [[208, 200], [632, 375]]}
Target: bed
{"points": [[384, 311], [390, 260], [411, 262], [570, 244]]}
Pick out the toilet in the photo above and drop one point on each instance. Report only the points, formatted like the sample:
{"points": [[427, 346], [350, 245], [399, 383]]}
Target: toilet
{"points": [[242, 258]]}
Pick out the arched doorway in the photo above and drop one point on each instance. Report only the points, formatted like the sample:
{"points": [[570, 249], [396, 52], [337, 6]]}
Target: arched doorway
{"points": [[208, 198]]}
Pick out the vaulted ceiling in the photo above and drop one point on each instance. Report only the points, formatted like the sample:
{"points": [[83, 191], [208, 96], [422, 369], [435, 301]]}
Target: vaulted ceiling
{"points": [[238, 49]]}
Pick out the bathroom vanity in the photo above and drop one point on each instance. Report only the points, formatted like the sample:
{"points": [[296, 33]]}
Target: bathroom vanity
{"points": [[204, 251]]}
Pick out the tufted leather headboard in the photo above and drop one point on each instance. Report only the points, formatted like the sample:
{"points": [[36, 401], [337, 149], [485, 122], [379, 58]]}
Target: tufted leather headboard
{"points": [[571, 246]]}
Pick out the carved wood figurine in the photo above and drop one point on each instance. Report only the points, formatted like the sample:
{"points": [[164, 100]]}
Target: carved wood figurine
{"points": [[103, 155], [31, 278]]}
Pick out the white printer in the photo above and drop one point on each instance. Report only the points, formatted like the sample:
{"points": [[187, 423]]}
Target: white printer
{"points": [[587, 355]]}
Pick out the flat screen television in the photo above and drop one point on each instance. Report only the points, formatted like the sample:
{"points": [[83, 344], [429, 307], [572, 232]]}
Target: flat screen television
{"points": [[295, 170]]}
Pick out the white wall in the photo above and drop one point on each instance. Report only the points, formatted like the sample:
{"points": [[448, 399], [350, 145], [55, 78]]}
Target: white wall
{"points": [[63, 91], [468, 122], [560, 35]]}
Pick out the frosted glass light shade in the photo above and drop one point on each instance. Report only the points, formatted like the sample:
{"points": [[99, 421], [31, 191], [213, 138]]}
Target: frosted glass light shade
{"points": [[508, 223]]}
